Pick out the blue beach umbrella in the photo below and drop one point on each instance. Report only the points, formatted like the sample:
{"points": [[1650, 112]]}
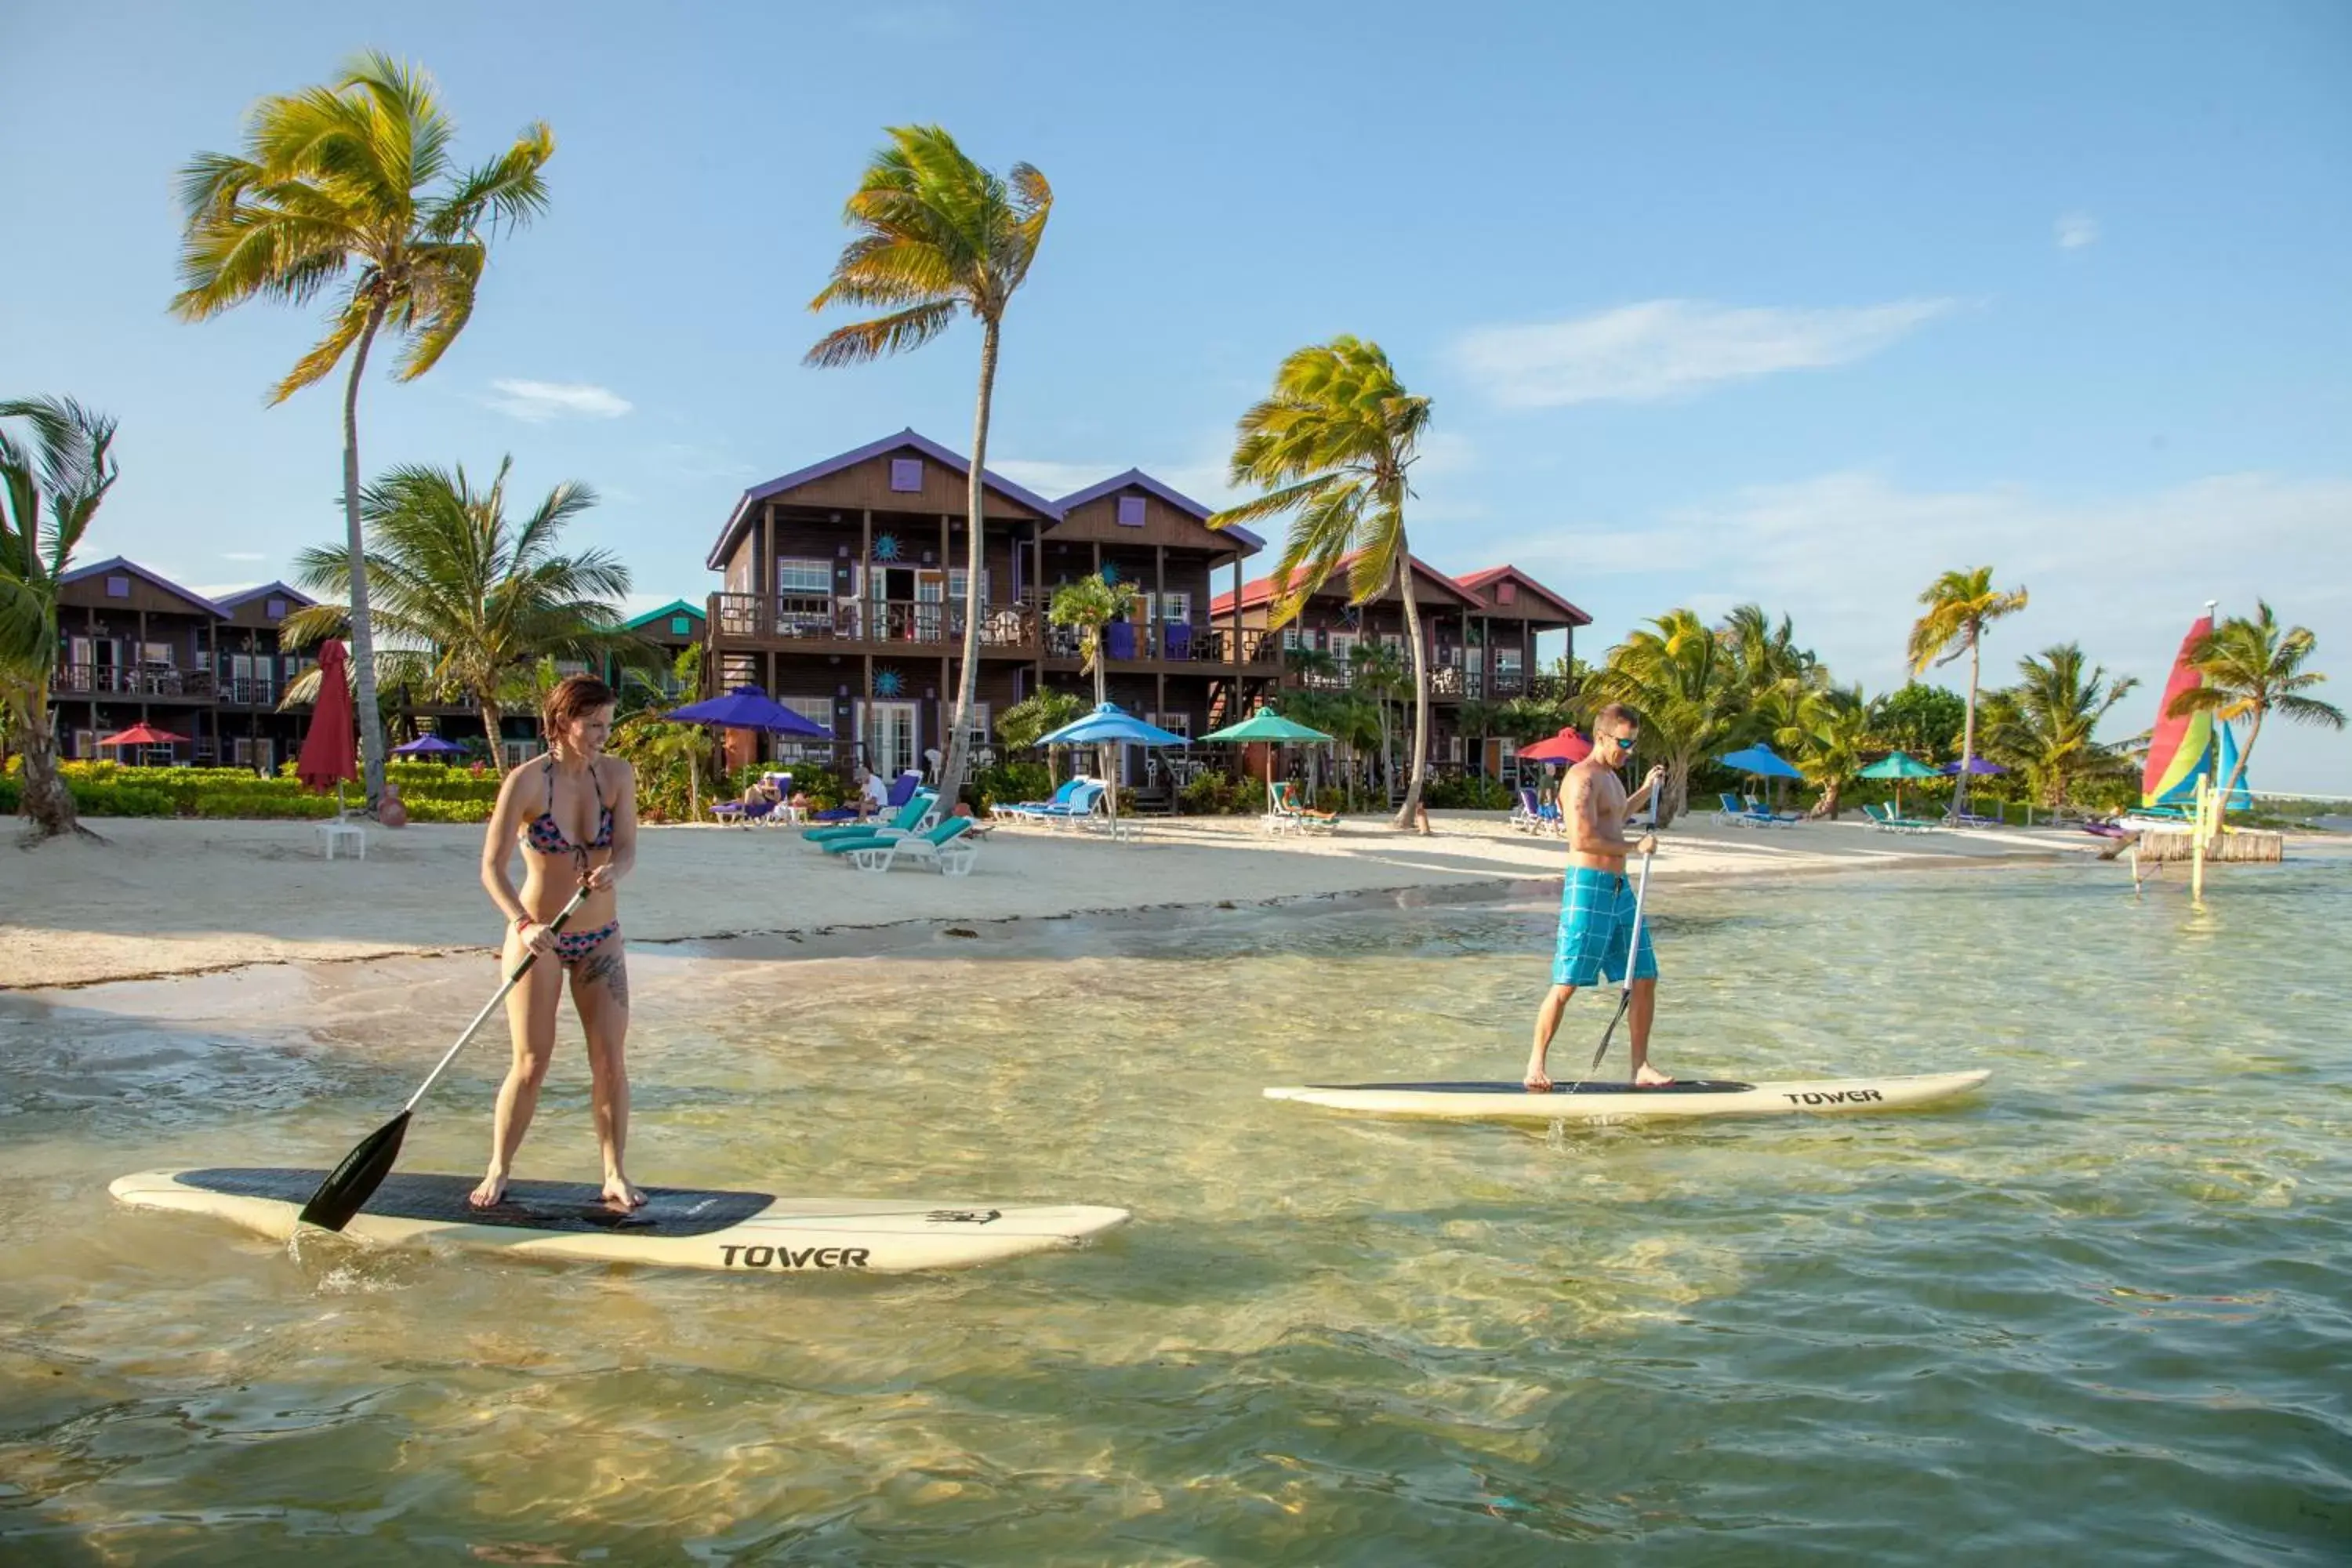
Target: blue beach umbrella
{"points": [[1978, 767], [1109, 724], [1762, 760], [749, 708]]}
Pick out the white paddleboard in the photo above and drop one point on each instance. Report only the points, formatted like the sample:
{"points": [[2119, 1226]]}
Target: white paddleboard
{"points": [[678, 1228], [1608, 1102]]}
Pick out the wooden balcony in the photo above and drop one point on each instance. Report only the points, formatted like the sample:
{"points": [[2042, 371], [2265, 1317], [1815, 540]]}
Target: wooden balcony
{"points": [[162, 683], [821, 622], [248, 692], [1174, 643]]}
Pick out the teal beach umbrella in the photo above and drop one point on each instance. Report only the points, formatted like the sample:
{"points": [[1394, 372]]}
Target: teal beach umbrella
{"points": [[1898, 766], [1265, 724]]}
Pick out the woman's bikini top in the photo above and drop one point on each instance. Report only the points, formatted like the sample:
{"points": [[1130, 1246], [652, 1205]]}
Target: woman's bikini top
{"points": [[546, 835]]}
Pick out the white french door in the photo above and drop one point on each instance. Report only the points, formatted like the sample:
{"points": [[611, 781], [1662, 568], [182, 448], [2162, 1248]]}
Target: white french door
{"points": [[889, 731]]}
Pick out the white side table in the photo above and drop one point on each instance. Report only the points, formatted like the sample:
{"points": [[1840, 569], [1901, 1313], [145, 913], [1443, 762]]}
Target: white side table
{"points": [[351, 833]]}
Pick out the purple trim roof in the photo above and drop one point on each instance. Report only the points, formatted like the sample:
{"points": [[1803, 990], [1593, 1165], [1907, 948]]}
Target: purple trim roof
{"points": [[716, 559], [120, 564], [280, 589], [1173, 497]]}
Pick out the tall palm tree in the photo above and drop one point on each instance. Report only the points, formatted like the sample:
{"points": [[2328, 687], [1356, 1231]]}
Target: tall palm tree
{"points": [[2048, 723], [49, 492], [1960, 605], [1091, 604], [1832, 728], [350, 191], [1375, 671], [938, 234], [2253, 669], [1334, 442], [476, 602], [1679, 676]]}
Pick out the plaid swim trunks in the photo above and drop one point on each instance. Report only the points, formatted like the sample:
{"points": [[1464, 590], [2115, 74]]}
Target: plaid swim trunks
{"points": [[1596, 922]]}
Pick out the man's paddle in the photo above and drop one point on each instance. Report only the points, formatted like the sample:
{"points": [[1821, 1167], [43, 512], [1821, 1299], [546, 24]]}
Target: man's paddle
{"points": [[352, 1184], [1625, 993]]}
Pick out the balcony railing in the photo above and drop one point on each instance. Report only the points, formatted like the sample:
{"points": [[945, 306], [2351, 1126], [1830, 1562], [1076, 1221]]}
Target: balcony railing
{"points": [[249, 692], [1176, 642], [822, 618], [134, 680]]}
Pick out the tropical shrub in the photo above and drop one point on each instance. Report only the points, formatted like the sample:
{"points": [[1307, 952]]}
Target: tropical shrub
{"points": [[1011, 782], [1468, 792]]}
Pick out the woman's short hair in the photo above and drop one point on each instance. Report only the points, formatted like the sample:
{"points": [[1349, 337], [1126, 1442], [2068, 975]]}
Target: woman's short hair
{"points": [[575, 697]]}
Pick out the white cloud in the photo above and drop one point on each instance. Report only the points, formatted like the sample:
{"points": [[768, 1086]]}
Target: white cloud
{"points": [[1847, 554], [243, 555], [2076, 230], [1669, 348], [540, 401]]}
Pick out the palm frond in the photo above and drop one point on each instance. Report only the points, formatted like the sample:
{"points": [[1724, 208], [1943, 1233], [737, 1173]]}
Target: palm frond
{"points": [[865, 341]]}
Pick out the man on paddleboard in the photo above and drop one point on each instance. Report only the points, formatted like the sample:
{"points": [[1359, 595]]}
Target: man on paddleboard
{"points": [[1597, 903]]}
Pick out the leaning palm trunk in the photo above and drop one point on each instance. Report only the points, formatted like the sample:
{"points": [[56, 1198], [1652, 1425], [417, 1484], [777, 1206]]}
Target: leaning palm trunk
{"points": [[494, 719], [951, 771], [1411, 810], [363, 630], [2237, 776], [46, 800]]}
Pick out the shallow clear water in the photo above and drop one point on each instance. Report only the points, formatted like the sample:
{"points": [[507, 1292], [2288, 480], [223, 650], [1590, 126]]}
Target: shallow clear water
{"points": [[2099, 1312]]}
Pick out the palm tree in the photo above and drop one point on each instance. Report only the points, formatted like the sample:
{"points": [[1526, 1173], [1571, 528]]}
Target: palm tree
{"points": [[937, 234], [2252, 669], [1090, 604], [1830, 732], [350, 191], [1375, 671], [1961, 604], [479, 603], [49, 492], [1334, 442], [2048, 723], [1679, 676]]}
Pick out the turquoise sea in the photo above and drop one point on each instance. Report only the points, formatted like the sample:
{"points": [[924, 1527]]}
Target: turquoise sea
{"points": [[2100, 1313]]}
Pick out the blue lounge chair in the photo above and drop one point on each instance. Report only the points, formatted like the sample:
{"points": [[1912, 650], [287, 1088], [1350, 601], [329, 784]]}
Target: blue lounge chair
{"points": [[1765, 816], [1735, 810], [1081, 801], [948, 846], [908, 818], [1061, 796], [901, 790]]}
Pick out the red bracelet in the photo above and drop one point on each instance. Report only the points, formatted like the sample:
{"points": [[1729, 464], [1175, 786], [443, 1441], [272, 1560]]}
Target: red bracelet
{"points": [[522, 920]]}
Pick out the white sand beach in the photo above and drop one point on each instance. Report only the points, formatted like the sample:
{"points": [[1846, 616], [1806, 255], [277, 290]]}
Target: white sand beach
{"points": [[185, 897]]}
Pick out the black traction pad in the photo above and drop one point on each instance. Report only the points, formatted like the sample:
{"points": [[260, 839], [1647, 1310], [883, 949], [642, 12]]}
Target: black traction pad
{"points": [[573, 1206], [1694, 1086]]}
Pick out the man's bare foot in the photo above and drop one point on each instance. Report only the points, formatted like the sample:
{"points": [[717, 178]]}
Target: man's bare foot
{"points": [[491, 1194], [1537, 1081], [1647, 1077], [621, 1192]]}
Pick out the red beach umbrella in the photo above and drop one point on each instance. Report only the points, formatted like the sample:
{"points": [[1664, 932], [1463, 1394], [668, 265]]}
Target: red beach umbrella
{"points": [[142, 735], [1568, 746], [331, 746]]}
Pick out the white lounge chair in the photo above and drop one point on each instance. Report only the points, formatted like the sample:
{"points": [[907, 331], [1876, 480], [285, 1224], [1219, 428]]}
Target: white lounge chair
{"points": [[949, 847]]}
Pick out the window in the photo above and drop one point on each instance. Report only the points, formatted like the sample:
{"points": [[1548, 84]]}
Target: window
{"points": [[1130, 512], [1294, 640], [681, 626], [157, 655], [1506, 593], [1175, 723], [519, 752], [956, 575], [815, 709], [84, 743], [118, 587], [794, 575], [1506, 661], [739, 669], [1176, 607], [907, 474], [1343, 648], [275, 609]]}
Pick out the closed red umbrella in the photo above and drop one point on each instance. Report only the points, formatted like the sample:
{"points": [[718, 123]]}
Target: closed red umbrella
{"points": [[331, 746], [1568, 746]]}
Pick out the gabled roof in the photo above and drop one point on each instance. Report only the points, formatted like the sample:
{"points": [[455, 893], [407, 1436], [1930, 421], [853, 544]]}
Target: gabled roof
{"points": [[120, 564], [674, 607], [1140, 481], [1258, 591], [741, 517], [1479, 581], [276, 590]]}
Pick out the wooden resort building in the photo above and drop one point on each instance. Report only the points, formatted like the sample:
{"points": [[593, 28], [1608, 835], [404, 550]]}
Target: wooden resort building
{"points": [[844, 597]]}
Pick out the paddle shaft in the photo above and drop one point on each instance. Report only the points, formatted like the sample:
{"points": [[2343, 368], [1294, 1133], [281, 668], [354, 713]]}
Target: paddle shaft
{"points": [[555, 927], [1632, 956]]}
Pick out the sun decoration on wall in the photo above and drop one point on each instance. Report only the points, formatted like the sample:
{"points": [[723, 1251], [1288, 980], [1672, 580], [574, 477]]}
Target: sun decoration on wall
{"points": [[886, 547], [888, 683]]}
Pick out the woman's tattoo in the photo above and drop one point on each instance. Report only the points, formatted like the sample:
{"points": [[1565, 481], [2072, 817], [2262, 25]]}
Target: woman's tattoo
{"points": [[609, 969]]}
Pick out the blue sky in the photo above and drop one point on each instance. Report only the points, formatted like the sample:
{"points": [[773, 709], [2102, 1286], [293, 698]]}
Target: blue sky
{"points": [[1798, 304]]}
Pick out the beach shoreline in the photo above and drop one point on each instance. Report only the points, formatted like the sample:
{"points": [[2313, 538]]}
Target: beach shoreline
{"points": [[167, 898]]}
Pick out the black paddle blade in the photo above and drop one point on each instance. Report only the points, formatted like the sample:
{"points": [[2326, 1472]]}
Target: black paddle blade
{"points": [[350, 1185]]}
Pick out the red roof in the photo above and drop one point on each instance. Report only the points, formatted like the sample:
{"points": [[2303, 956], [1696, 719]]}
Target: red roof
{"points": [[1479, 581], [1258, 591]]}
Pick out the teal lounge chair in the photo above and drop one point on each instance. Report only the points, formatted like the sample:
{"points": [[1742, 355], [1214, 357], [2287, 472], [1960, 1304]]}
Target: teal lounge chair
{"points": [[1884, 817], [911, 818], [948, 846]]}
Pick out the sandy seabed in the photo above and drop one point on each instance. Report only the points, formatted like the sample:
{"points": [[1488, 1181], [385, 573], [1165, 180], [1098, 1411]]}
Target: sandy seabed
{"points": [[158, 898]]}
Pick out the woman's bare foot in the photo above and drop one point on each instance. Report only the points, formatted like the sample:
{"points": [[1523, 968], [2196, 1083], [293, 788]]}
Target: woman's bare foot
{"points": [[1537, 1081], [1647, 1077], [623, 1194], [491, 1194]]}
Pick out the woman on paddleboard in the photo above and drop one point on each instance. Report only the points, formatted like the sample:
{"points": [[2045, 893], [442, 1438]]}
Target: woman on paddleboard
{"points": [[573, 812]]}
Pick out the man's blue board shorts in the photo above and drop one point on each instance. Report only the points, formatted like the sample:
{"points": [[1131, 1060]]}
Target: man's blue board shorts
{"points": [[1596, 922]]}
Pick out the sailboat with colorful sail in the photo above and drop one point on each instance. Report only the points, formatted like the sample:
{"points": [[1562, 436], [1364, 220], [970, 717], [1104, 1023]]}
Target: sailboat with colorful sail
{"points": [[2185, 747]]}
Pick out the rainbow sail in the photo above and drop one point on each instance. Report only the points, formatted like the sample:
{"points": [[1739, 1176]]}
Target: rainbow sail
{"points": [[2179, 749]]}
